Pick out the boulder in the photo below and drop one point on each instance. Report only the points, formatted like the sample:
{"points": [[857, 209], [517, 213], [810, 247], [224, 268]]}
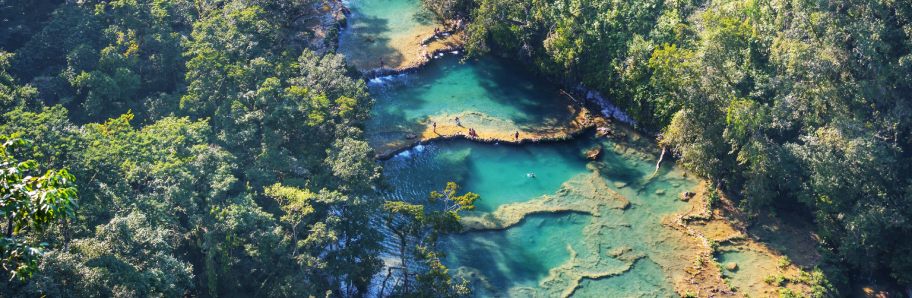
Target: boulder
{"points": [[687, 195]]}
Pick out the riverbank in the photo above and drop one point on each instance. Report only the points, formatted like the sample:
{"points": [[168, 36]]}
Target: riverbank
{"points": [[733, 260], [486, 95], [386, 38], [488, 130]]}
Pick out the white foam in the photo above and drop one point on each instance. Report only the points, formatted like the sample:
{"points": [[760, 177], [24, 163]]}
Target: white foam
{"points": [[608, 108], [404, 154], [383, 80]]}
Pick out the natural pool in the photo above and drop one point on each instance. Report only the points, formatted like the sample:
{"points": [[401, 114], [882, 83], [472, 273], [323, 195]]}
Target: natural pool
{"points": [[488, 94], [613, 237], [384, 29], [550, 222]]}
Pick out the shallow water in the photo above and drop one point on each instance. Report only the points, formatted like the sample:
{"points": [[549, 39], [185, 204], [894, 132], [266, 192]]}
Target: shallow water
{"points": [[385, 29], [752, 268], [549, 222], [519, 256], [499, 173], [645, 279], [486, 94], [624, 249]]}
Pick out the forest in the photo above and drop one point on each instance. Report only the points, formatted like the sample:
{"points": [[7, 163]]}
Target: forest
{"points": [[795, 107], [216, 147]]}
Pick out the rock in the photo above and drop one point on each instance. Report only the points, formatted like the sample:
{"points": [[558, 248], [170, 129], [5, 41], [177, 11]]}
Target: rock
{"points": [[620, 184], [687, 195], [731, 266], [660, 191], [594, 152], [411, 136], [602, 131]]}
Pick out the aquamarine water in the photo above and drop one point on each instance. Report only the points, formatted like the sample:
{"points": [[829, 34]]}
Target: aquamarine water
{"points": [[383, 29], [645, 279], [486, 92], [615, 242], [631, 248], [499, 173], [519, 256]]}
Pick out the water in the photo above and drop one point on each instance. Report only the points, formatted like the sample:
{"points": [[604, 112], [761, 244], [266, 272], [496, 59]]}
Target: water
{"points": [[517, 257], [645, 279], [499, 173], [577, 228], [487, 94], [384, 29], [752, 268], [548, 253]]}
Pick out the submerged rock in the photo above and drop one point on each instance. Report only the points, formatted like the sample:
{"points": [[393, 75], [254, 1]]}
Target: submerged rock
{"points": [[660, 191], [620, 184], [602, 132], [585, 193], [594, 152], [731, 266]]}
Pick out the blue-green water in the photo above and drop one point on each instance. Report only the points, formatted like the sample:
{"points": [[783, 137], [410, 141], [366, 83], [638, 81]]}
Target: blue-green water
{"points": [[629, 246], [613, 243], [519, 256], [486, 94], [384, 29], [499, 173]]}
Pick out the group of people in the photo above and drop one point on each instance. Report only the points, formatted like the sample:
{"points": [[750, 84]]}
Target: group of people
{"points": [[472, 132]]}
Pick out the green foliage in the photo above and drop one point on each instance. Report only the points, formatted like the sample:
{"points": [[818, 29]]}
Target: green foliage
{"points": [[417, 228], [448, 9], [778, 103], [178, 116], [30, 204]]}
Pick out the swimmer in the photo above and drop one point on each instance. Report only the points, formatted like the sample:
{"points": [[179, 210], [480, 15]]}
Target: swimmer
{"points": [[530, 175]]}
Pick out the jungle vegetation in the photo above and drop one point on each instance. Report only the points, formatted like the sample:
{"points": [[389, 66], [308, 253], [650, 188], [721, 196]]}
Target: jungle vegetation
{"points": [[178, 147], [200, 147], [799, 106]]}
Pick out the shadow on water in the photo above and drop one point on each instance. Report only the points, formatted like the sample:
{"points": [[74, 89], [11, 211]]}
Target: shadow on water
{"points": [[518, 256], [488, 85], [366, 41], [538, 100]]}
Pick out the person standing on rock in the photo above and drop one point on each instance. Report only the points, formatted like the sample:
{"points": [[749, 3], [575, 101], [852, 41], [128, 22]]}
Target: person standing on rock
{"points": [[516, 136], [457, 122], [435, 127]]}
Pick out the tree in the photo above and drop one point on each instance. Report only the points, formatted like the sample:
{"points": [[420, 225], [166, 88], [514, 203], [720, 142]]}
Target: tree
{"points": [[29, 205], [417, 229], [126, 257]]}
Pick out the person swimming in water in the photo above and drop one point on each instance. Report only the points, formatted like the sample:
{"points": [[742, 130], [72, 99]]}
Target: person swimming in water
{"points": [[530, 175]]}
